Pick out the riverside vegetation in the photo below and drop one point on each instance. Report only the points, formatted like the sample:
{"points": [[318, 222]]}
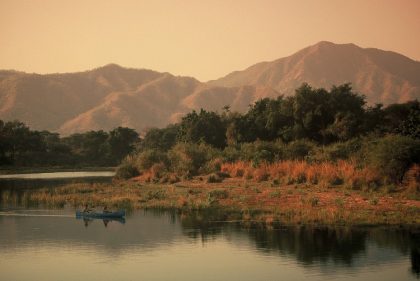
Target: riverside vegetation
{"points": [[316, 157]]}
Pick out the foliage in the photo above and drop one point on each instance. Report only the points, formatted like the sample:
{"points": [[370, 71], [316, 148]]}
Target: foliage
{"points": [[299, 149], [205, 127], [146, 159], [161, 139], [126, 170], [393, 155], [337, 151], [121, 142], [189, 158], [20, 146]]}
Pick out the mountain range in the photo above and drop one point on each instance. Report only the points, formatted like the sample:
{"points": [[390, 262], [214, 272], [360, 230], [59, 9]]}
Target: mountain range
{"points": [[111, 96]]}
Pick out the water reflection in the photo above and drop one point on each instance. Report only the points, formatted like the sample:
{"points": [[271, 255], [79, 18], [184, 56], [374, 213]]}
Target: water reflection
{"points": [[87, 221], [15, 184], [415, 254], [38, 180], [331, 251], [310, 245]]}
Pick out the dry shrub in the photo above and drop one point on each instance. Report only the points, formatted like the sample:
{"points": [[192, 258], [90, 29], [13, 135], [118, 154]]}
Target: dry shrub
{"points": [[214, 178], [212, 166], [412, 179], [249, 172], [312, 174], [236, 170], [173, 178], [298, 171], [261, 173], [329, 174], [157, 170]]}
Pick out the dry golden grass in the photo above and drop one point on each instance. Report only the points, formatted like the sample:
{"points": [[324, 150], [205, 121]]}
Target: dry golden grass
{"points": [[324, 174]]}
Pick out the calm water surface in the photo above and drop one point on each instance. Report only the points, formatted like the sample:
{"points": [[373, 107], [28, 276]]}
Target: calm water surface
{"points": [[38, 180], [53, 245], [59, 175]]}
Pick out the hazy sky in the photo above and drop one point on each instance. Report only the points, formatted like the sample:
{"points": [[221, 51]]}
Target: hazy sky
{"points": [[204, 39]]}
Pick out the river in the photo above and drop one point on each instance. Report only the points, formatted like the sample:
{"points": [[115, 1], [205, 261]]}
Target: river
{"points": [[45, 244]]}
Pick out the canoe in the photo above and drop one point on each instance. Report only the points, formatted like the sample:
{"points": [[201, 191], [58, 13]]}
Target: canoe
{"points": [[101, 215]]}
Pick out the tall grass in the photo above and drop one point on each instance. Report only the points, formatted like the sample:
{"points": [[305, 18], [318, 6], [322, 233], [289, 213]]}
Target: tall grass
{"points": [[288, 172]]}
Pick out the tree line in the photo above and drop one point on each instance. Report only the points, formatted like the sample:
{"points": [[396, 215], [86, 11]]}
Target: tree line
{"points": [[21, 146], [313, 114]]}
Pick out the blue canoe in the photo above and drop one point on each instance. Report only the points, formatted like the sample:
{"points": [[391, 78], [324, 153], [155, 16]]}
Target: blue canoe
{"points": [[101, 215]]}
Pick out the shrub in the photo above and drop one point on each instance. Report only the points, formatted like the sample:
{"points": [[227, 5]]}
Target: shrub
{"points": [[218, 194], [231, 153], [236, 169], [314, 201], [261, 152], [189, 159], [412, 179], [157, 170], [156, 194], [393, 155], [214, 178], [299, 149], [336, 151], [261, 173], [126, 170], [212, 166], [146, 159]]}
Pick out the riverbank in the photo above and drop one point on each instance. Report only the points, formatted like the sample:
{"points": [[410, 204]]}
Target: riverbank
{"points": [[267, 202]]}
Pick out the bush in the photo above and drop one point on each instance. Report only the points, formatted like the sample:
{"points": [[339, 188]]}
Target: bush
{"points": [[299, 149], [261, 152], [146, 159], [190, 159], [393, 155], [212, 166], [126, 171], [231, 153], [214, 178], [218, 194], [337, 151]]}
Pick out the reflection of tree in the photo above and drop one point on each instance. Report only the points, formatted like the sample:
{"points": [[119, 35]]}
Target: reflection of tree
{"points": [[310, 244], [415, 254], [391, 238], [415, 261], [202, 224]]}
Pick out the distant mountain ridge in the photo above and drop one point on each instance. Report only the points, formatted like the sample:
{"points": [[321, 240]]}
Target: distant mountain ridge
{"points": [[383, 76], [111, 96]]}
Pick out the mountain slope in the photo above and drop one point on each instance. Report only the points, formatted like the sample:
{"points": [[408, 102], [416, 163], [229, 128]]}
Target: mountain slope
{"points": [[47, 101], [111, 96], [384, 77]]}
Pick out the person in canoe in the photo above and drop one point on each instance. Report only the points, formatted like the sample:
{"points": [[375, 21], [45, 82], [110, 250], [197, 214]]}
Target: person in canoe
{"points": [[105, 210], [87, 209]]}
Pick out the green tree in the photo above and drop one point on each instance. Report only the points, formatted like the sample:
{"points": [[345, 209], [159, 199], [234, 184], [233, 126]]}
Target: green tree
{"points": [[121, 142], [393, 155], [162, 139], [205, 127]]}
